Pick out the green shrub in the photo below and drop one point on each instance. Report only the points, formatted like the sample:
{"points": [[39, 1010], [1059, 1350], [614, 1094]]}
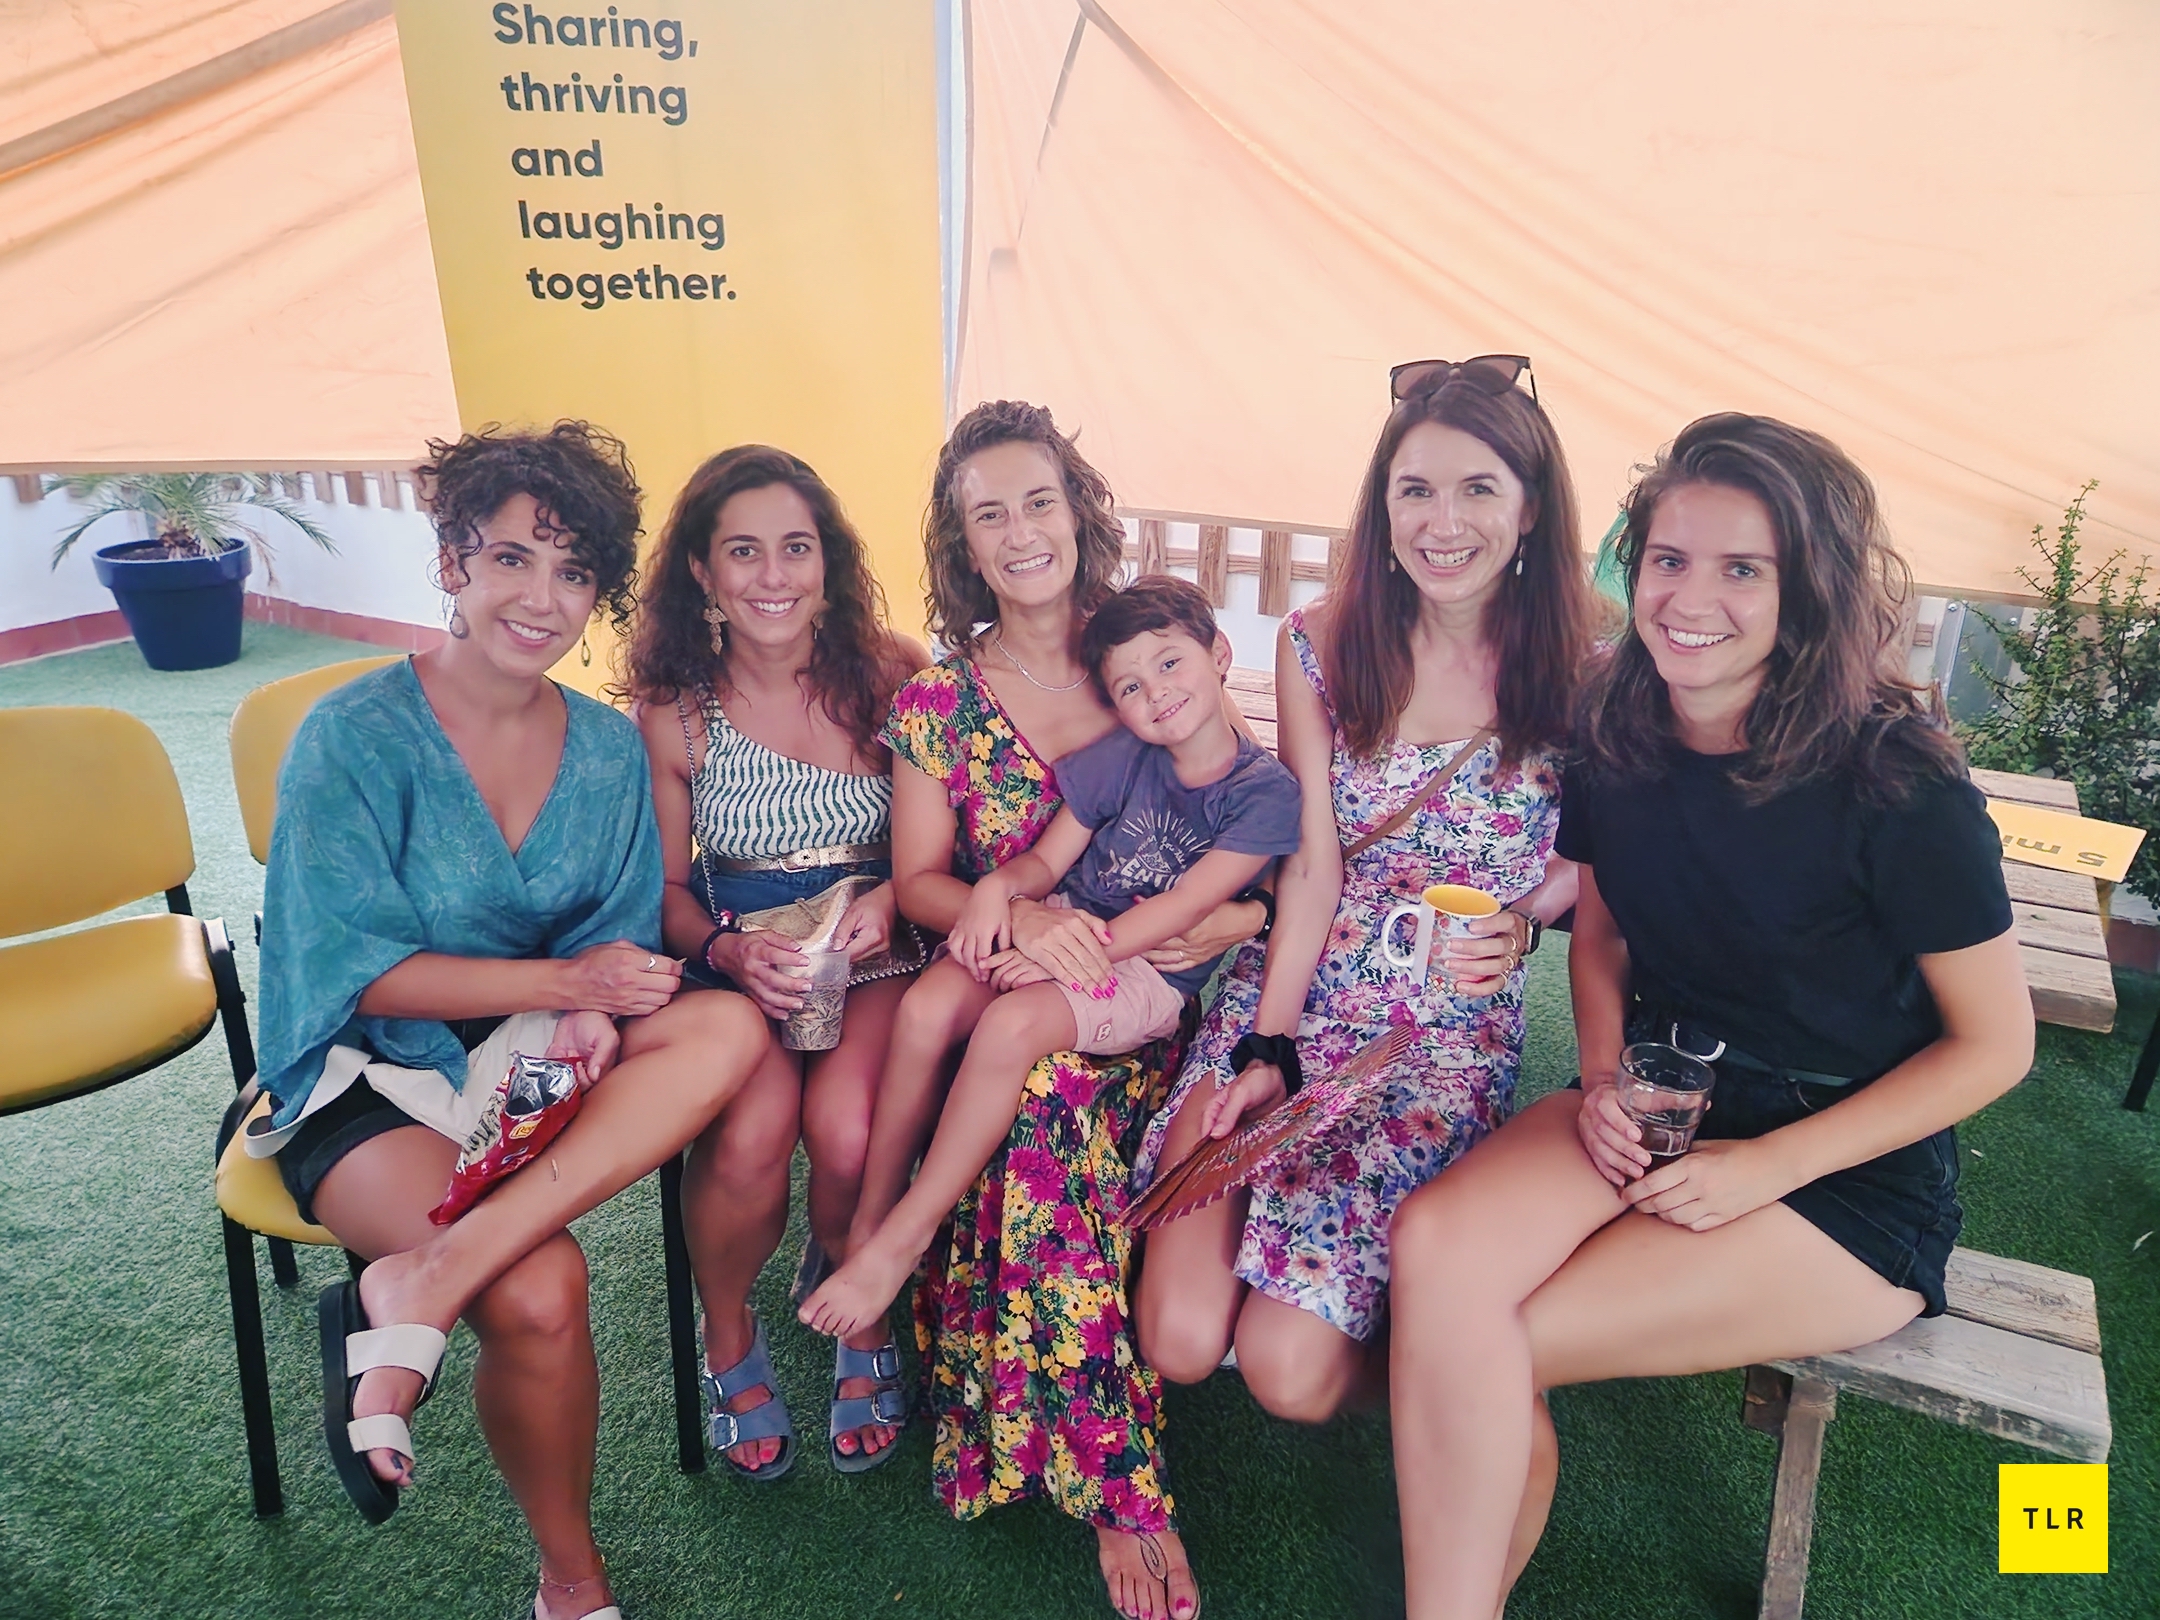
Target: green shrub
{"points": [[2083, 702]]}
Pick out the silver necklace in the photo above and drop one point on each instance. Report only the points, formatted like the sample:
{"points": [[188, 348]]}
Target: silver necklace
{"points": [[1007, 654]]}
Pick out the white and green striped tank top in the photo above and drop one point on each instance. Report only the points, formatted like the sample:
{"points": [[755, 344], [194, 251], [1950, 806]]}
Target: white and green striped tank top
{"points": [[746, 801]]}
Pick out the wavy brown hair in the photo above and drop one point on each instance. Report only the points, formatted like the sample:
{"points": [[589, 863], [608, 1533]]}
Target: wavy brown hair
{"points": [[1538, 622], [855, 661], [960, 600], [1833, 702], [578, 475]]}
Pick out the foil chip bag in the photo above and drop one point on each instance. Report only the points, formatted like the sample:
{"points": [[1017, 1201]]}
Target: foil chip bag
{"points": [[530, 1106]]}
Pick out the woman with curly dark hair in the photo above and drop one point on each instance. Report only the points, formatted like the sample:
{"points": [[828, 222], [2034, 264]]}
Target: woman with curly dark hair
{"points": [[464, 873], [764, 668], [1034, 1385], [1786, 873]]}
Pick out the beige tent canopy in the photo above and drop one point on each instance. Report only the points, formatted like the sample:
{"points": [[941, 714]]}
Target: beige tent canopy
{"points": [[1202, 231]]}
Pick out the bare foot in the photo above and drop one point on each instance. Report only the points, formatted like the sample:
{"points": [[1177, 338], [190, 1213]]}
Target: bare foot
{"points": [[1133, 1568], [567, 1600], [722, 1351], [392, 1290], [857, 1296], [871, 1438]]}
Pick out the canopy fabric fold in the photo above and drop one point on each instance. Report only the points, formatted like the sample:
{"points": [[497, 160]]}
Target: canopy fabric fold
{"points": [[1201, 232]]}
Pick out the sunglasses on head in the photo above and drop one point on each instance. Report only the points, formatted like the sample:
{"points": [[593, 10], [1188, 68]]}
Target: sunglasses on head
{"points": [[1491, 373]]}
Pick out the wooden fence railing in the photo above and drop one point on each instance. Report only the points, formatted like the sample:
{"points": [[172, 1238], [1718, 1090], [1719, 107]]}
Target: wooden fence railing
{"points": [[394, 486], [1214, 562]]}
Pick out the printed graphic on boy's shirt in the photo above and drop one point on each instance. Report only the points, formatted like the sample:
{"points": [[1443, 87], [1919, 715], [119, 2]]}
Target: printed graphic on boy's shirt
{"points": [[1162, 847]]}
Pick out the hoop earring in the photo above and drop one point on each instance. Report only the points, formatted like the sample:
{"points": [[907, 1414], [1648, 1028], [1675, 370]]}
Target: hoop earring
{"points": [[455, 624], [584, 650], [717, 619]]}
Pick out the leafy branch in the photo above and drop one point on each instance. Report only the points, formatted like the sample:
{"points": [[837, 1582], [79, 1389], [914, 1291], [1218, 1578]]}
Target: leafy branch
{"points": [[192, 514]]}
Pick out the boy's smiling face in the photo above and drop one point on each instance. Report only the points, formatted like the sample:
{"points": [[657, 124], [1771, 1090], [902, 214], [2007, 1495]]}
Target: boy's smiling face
{"points": [[1166, 686]]}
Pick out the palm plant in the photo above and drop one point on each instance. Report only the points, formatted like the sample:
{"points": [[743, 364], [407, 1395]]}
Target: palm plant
{"points": [[192, 514]]}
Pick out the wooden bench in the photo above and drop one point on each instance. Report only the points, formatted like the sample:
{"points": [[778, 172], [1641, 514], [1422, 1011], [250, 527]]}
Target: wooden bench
{"points": [[2017, 1355]]}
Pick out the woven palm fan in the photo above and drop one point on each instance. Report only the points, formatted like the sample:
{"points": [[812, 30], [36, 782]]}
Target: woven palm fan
{"points": [[1214, 1169]]}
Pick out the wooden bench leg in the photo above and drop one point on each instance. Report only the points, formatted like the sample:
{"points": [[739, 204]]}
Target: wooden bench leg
{"points": [[1797, 1412]]}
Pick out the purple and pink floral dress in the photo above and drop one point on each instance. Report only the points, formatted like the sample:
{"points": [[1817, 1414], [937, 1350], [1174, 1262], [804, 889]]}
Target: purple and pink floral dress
{"points": [[1316, 1235], [1022, 1317]]}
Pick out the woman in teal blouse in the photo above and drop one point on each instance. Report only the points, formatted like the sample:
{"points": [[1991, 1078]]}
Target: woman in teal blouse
{"points": [[465, 858]]}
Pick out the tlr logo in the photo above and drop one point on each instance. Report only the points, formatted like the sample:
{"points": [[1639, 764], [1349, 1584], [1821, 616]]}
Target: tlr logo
{"points": [[2052, 1519]]}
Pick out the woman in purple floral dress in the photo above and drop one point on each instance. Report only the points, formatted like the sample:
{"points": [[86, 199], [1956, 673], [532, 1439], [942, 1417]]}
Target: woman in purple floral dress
{"points": [[1435, 679], [1022, 1319]]}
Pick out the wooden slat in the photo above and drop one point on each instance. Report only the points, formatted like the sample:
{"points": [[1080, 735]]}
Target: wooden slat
{"points": [[356, 488], [2042, 1395], [1301, 568], [323, 491], [2044, 886], [29, 489], [1337, 547], [1809, 1407], [2077, 991], [1153, 553], [2049, 793], [1213, 562], [2020, 1297], [2048, 929], [1275, 572]]}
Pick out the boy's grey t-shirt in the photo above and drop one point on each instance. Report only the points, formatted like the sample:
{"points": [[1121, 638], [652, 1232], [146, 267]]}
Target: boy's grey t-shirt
{"points": [[1150, 828]]}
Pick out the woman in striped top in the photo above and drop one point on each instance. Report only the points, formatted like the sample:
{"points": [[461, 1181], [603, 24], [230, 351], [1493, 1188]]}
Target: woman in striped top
{"points": [[765, 668]]}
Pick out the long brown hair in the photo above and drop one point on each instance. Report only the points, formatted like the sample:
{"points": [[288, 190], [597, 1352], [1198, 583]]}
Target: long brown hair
{"points": [[854, 659], [1832, 702], [1538, 623], [960, 600]]}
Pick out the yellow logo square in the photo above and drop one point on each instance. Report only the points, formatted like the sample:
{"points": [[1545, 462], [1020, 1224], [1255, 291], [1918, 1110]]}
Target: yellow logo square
{"points": [[2052, 1519]]}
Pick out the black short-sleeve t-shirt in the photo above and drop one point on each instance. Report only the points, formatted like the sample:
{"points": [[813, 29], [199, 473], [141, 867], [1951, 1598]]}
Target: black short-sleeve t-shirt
{"points": [[1789, 929]]}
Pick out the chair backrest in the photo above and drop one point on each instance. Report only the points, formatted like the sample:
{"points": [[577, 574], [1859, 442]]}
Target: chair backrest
{"points": [[262, 729], [90, 816]]}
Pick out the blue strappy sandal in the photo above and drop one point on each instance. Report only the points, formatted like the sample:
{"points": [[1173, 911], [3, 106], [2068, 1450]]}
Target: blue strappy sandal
{"points": [[886, 1405], [765, 1421]]}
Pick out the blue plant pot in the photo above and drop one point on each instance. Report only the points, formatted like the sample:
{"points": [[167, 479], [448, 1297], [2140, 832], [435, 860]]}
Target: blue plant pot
{"points": [[184, 611]]}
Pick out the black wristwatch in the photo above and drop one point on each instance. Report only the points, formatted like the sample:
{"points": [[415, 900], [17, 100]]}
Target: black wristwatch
{"points": [[725, 922], [1537, 932], [1280, 1050], [1267, 903]]}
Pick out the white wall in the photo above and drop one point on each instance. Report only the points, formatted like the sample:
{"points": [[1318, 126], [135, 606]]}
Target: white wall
{"points": [[1251, 633], [380, 570]]}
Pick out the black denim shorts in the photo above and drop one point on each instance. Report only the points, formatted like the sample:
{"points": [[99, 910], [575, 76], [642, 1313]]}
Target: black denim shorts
{"points": [[1898, 1215], [357, 1114]]}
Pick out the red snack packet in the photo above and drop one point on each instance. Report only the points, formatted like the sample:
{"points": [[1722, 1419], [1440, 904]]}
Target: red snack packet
{"points": [[531, 1105]]}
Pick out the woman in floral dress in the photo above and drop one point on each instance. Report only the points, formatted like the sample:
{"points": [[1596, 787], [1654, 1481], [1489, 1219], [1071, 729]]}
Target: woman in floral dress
{"points": [[1022, 1320], [1435, 678]]}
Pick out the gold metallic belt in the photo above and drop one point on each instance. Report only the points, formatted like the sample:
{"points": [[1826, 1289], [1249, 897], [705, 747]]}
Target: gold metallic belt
{"points": [[802, 860]]}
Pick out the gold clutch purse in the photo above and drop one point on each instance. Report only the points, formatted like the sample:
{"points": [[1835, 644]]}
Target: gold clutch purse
{"points": [[813, 921]]}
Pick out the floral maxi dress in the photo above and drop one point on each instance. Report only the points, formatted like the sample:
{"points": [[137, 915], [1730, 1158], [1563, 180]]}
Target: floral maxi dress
{"points": [[1316, 1235], [1022, 1318]]}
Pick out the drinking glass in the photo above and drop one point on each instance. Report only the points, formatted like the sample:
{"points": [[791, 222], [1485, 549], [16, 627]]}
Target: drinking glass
{"points": [[1665, 1091]]}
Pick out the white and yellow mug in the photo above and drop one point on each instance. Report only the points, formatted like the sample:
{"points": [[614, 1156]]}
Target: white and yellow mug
{"points": [[1446, 910]]}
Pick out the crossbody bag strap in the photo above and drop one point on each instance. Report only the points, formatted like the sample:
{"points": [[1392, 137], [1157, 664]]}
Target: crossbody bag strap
{"points": [[689, 749], [1423, 791]]}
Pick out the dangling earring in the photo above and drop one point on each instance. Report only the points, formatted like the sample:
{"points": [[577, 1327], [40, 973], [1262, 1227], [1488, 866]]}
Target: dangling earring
{"points": [[1391, 562], [455, 623], [717, 618], [1518, 562], [584, 650]]}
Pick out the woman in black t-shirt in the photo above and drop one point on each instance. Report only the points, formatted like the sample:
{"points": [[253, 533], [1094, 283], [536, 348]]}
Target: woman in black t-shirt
{"points": [[1780, 851]]}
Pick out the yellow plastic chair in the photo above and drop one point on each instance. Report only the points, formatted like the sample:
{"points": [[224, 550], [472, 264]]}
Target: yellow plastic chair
{"points": [[92, 811], [251, 1194]]}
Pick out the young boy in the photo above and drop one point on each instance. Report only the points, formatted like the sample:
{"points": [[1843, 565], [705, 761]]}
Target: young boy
{"points": [[1167, 817]]}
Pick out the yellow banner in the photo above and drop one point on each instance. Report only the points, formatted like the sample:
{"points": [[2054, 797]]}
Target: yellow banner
{"points": [[2067, 843], [695, 223]]}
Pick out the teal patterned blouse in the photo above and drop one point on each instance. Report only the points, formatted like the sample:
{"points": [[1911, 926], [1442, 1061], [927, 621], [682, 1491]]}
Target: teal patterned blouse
{"points": [[383, 849]]}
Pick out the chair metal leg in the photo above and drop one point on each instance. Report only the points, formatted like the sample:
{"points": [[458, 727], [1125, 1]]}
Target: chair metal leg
{"points": [[682, 1322], [254, 1370], [283, 1267], [2148, 1065]]}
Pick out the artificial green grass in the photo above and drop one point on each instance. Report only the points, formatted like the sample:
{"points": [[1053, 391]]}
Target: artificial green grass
{"points": [[123, 1482]]}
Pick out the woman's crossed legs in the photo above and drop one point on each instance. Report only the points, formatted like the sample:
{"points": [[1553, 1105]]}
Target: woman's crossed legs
{"points": [[1512, 1275]]}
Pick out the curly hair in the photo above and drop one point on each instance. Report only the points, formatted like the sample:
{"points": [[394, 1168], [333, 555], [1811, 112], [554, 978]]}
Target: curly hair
{"points": [[579, 476], [1833, 702], [1539, 622], [960, 600], [855, 660]]}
